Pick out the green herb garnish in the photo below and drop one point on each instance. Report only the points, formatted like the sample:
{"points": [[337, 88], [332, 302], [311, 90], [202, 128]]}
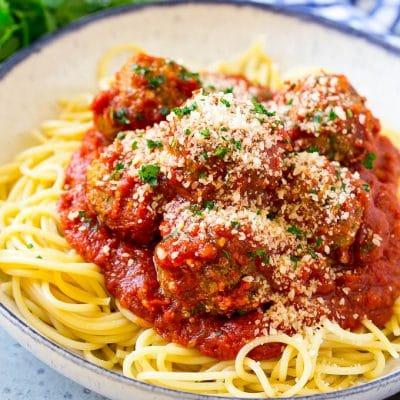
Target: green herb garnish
{"points": [[149, 174], [368, 161]]}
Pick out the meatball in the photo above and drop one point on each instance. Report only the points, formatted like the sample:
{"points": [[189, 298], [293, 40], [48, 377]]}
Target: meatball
{"points": [[322, 201], [225, 148], [123, 185], [208, 259], [144, 92], [325, 112]]}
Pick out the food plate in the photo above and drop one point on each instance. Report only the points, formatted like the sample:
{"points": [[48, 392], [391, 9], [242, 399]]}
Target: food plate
{"points": [[198, 33]]}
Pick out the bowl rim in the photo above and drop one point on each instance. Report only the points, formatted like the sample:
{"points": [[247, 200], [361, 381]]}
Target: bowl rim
{"points": [[294, 12]]}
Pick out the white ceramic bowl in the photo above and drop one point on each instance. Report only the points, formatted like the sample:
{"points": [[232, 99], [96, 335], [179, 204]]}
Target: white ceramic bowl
{"points": [[200, 32]]}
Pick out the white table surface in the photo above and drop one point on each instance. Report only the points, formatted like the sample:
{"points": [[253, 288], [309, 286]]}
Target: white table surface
{"points": [[23, 377]]}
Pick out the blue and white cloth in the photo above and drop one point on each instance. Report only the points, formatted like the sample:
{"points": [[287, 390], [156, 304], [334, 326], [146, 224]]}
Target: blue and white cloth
{"points": [[380, 18]]}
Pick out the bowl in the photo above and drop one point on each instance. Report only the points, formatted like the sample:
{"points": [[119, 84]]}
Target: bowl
{"points": [[199, 33]]}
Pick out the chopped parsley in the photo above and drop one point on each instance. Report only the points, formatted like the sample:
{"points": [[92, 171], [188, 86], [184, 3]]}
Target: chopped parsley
{"points": [[205, 133], [257, 253], [317, 118], [40, 257], [164, 111], [366, 187], [261, 253], [368, 161], [140, 70], [226, 254], [205, 155], [156, 81], [349, 113], [120, 135], [332, 115], [313, 149], [260, 109], [294, 230], [119, 166], [294, 259], [120, 116], [228, 90], [225, 102], [271, 216], [134, 145], [83, 217], [235, 224], [319, 242], [185, 75], [312, 252], [186, 110], [221, 152], [202, 175], [187, 131], [209, 205], [154, 144], [149, 174], [237, 144], [174, 233], [29, 246]]}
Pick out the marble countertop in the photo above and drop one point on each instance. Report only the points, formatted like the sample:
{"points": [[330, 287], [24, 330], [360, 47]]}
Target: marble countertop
{"points": [[38, 382]]}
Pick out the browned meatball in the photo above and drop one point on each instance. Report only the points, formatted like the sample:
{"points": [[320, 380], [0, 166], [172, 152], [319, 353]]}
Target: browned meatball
{"points": [[122, 189], [225, 147], [224, 260], [208, 258], [325, 112], [322, 201], [144, 92]]}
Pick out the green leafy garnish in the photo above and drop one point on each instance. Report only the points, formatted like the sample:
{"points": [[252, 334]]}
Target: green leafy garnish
{"points": [[332, 115], [260, 109], [225, 102], [368, 161], [221, 152], [235, 224], [120, 116], [154, 144], [209, 205], [294, 230], [366, 187], [139, 69], [186, 110], [205, 133], [149, 174], [164, 111], [156, 81]]}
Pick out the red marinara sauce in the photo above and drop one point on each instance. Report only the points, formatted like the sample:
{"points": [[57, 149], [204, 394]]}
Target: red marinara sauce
{"points": [[202, 286]]}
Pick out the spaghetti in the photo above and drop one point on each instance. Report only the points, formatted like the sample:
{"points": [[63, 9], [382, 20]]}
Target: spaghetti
{"points": [[65, 299]]}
